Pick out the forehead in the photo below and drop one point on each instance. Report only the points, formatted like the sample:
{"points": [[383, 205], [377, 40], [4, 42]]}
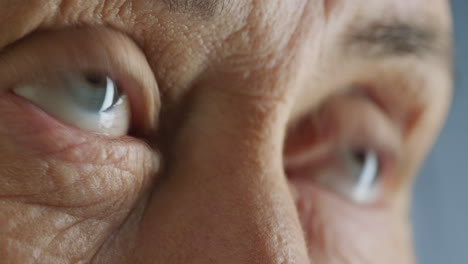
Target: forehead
{"points": [[180, 17], [190, 34]]}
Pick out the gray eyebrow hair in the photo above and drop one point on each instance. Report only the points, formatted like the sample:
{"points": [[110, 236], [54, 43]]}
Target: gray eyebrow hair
{"points": [[398, 39], [203, 8]]}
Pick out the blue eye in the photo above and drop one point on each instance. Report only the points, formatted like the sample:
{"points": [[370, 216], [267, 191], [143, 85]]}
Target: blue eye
{"points": [[91, 102]]}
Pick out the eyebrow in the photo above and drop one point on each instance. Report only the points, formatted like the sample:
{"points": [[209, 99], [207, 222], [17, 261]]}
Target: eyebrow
{"points": [[203, 8], [378, 40]]}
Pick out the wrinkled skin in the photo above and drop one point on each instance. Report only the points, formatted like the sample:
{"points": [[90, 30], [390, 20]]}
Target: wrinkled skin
{"points": [[203, 179]]}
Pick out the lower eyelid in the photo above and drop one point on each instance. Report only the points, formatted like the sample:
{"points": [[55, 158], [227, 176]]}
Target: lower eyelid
{"points": [[34, 130], [27, 128]]}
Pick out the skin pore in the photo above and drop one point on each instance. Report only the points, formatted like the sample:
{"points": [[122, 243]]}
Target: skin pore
{"points": [[237, 109]]}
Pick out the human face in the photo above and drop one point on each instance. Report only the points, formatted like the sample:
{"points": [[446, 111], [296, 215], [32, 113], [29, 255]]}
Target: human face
{"points": [[242, 137]]}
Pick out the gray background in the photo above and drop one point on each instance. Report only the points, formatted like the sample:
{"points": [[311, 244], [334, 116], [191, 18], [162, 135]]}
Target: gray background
{"points": [[440, 206]]}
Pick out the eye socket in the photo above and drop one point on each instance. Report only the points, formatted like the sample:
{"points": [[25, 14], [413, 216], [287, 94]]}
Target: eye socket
{"points": [[92, 102], [347, 146], [91, 78]]}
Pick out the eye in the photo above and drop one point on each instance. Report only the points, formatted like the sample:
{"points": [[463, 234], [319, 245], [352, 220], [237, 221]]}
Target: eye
{"points": [[97, 93], [348, 147], [89, 101], [94, 79], [354, 174]]}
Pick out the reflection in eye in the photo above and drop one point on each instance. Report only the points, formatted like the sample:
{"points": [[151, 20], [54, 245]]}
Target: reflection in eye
{"points": [[91, 102], [354, 175]]}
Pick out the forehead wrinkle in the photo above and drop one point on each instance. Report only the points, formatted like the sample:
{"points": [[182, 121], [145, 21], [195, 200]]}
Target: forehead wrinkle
{"points": [[203, 8]]}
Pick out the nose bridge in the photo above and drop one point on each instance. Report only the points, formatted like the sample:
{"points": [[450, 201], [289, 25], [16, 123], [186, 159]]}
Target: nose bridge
{"points": [[227, 182]]}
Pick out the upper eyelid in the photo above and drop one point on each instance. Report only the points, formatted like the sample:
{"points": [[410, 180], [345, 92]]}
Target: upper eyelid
{"points": [[86, 50], [401, 87]]}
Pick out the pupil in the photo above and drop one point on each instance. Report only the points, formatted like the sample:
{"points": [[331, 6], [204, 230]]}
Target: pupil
{"points": [[360, 156], [95, 79], [106, 90], [366, 159], [93, 92]]}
